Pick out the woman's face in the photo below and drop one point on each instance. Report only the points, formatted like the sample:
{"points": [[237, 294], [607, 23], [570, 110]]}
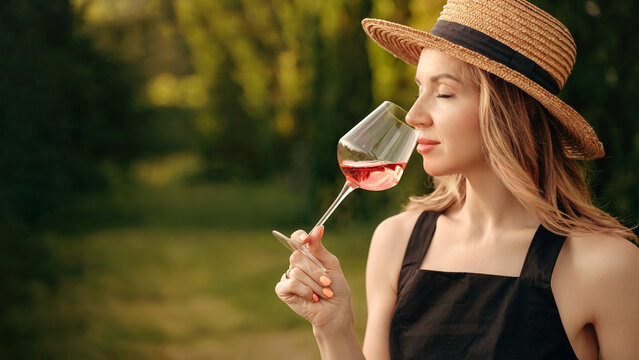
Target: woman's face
{"points": [[446, 115]]}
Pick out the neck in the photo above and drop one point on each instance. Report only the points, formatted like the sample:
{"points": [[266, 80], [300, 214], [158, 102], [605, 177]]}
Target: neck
{"points": [[490, 206]]}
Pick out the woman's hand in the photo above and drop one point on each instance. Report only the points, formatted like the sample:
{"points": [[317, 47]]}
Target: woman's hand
{"points": [[322, 298]]}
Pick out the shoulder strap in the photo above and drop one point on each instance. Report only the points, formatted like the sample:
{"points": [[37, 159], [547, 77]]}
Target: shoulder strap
{"points": [[542, 256], [420, 239], [417, 245]]}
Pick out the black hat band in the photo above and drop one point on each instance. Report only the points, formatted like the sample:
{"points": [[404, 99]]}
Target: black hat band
{"points": [[495, 50]]}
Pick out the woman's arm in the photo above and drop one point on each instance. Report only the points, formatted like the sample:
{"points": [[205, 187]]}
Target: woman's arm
{"points": [[596, 287], [614, 294], [382, 271]]}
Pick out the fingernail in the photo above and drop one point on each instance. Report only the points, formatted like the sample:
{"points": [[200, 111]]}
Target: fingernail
{"points": [[315, 297], [324, 280], [328, 292], [303, 237]]}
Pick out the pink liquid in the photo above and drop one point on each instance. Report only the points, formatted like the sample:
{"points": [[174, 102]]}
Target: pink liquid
{"points": [[373, 175]]}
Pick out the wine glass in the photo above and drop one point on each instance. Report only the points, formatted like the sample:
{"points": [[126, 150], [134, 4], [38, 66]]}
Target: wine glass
{"points": [[372, 156]]}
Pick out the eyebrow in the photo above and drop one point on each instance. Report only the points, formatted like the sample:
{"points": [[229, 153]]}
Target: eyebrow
{"points": [[438, 77]]}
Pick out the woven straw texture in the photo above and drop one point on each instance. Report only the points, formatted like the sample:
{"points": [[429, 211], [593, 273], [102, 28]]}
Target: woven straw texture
{"points": [[519, 25]]}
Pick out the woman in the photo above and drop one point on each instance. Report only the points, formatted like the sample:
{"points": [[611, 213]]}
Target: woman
{"points": [[507, 257]]}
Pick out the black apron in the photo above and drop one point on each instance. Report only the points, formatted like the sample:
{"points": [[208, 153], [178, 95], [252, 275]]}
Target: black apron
{"points": [[453, 315]]}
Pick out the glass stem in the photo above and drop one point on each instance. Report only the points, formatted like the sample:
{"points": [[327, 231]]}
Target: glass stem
{"points": [[347, 189]]}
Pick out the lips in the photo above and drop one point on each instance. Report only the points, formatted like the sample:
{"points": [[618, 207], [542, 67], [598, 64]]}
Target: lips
{"points": [[423, 141], [425, 145]]}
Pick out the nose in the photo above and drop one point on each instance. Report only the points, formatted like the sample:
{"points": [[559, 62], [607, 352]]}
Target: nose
{"points": [[418, 115]]}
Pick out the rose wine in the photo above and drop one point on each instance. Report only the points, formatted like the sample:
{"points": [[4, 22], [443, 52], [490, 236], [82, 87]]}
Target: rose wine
{"points": [[373, 175]]}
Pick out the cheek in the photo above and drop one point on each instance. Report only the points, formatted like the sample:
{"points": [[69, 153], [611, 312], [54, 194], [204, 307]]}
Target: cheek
{"points": [[462, 136], [458, 128], [469, 114], [463, 128]]}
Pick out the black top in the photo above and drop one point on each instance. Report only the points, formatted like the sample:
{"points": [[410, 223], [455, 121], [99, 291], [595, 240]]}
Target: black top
{"points": [[453, 315]]}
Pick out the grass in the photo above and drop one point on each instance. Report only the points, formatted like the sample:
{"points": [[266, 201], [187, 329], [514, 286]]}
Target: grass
{"points": [[189, 276]]}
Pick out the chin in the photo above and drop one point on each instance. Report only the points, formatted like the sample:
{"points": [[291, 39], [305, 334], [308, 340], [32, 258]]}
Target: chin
{"points": [[445, 166], [434, 169]]}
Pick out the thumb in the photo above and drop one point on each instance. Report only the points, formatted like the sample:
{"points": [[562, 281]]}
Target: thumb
{"points": [[317, 248]]}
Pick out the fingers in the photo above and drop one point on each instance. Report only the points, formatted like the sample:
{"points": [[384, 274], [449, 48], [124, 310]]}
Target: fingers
{"points": [[314, 243], [296, 282], [292, 287], [305, 271], [298, 275], [305, 279], [300, 236]]}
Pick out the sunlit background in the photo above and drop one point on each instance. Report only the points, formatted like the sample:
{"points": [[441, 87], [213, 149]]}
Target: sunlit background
{"points": [[148, 147]]}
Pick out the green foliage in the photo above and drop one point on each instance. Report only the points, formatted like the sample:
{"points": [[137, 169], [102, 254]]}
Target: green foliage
{"points": [[65, 110], [283, 80]]}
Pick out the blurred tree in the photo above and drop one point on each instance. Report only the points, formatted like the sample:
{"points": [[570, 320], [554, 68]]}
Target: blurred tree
{"points": [[286, 79], [66, 111]]}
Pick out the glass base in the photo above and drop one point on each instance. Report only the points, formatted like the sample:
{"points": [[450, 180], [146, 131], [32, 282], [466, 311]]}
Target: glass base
{"points": [[293, 245]]}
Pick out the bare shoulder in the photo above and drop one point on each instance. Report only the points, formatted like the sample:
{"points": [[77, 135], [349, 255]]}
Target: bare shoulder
{"points": [[388, 246], [395, 231], [600, 255], [392, 234], [598, 283], [599, 271]]}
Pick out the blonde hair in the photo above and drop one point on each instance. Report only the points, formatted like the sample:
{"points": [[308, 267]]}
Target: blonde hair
{"points": [[522, 144]]}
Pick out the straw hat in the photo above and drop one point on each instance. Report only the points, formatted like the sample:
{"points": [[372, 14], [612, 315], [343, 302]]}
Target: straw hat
{"points": [[512, 39]]}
